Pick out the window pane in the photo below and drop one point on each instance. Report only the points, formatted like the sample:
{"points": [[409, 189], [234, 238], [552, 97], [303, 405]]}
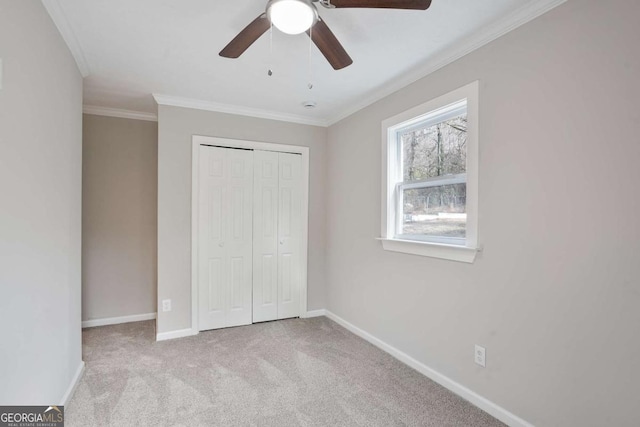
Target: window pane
{"points": [[436, 150], [435, 211]]}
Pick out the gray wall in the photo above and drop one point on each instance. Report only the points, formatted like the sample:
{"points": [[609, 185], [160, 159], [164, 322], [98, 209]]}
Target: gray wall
{"points": [[40, 208], [119, 220], [555, 295], [175, 129]]}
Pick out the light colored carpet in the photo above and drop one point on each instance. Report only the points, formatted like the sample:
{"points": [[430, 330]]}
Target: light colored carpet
{"points": [[298, 372]]}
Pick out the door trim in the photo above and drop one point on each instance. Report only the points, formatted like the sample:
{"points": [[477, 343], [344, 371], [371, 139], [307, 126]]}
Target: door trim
{"points": [[196, 142]]}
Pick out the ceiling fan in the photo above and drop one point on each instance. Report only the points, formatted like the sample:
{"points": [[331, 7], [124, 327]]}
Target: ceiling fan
{"points": [[298, 16]]}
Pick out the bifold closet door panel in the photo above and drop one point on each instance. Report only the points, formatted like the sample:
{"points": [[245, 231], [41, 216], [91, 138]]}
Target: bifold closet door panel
{"points": [[289, 234], [265, 236], [225, 249], [212, 269]]}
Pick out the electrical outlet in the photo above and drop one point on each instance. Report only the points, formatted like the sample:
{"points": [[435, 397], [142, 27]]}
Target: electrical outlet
{"points": [[166, 305], [480, 356]]}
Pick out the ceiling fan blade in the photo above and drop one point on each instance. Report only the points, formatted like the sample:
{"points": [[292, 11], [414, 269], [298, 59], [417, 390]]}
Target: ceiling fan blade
{"points": [[383, 4], [329, 45], [250, 34]]}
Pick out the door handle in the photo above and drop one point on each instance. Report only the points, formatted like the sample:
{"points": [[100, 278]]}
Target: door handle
{"points": [[221, 244], [282, 241]]}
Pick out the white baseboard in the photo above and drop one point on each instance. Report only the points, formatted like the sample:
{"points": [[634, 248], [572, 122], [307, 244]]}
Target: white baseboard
{"points": [[176, 334], [314, 313], [190, 332], [73, 385], [118, 320], [457, 388]]}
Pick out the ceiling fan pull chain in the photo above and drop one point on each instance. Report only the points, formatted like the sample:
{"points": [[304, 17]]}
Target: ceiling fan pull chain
{"points": [[310, 85], [270, 72]]}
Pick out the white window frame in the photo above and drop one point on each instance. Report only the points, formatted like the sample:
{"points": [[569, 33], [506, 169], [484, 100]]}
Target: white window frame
{"points": [[434, 111]]}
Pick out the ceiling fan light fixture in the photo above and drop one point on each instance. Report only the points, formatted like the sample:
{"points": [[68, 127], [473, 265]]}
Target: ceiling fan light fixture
{"points": [[292, 16]]}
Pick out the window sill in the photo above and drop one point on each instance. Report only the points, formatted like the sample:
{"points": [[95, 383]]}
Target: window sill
{"points": [[433, 250]]}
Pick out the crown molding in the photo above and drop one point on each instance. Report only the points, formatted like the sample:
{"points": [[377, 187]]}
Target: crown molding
{"points": [[58, 17], [467, 45], [197, 104], [116, 112]]}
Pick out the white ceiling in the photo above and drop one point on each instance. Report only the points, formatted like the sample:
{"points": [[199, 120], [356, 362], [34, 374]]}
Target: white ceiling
{"points": [[132, 49]]}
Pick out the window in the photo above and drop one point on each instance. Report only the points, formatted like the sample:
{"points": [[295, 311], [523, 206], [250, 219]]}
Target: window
{"points": [[430, 185]]}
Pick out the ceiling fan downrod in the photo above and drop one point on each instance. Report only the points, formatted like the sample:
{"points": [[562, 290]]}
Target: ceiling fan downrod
{"points": [[326, 3]]}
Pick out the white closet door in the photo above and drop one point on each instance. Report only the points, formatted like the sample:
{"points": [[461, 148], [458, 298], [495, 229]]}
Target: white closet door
{"points": [[226, 241], [289, 234], [265, 236]]}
